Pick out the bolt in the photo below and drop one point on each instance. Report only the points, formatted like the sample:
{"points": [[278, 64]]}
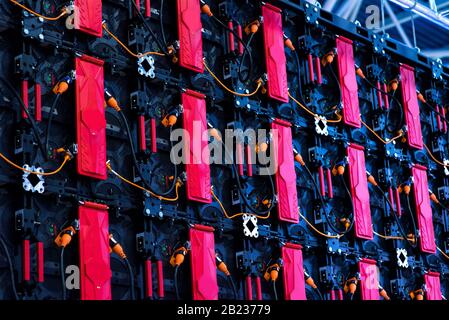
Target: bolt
{"points": [[308, 18], [41, 19], [26, 31], [315, 9], [161, 214], [147, 211], [330, 249], [41, 36], [237, 102]]}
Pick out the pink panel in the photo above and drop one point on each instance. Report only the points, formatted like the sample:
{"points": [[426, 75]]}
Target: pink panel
{"points": [[285, 173], [293, 277], [88, 16], [423, 209], [369, 281], [197, 169], [90, 118], [275, 53], [202, 261], [433, 287], [348, 82], [359, 191], [190, 35], [95, 270], [411, 107]]}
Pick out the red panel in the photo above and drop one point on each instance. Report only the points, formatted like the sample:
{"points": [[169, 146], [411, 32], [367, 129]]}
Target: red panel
{"points": [[90, 118], [95, 270], [231, 45], [249, 161], [202, 261], [197, 167], [26, 263], [142, 137], [37, 102], [369, 281], [147, 8], [153, 135], [40, 261], [330, 189], [239, 33], [24, 91], [88, 17], [348, 82], [423, 209], [433, 286], [190, 36], [275, 59], [285, 173], [411, 107], [160, 279], [148, 279], [258, 289], [293, 278], [248, 288], [359, 191]]}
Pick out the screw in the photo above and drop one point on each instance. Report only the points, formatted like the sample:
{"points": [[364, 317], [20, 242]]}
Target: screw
{"points": [[41, 36], [26, 31], [147, 211]]}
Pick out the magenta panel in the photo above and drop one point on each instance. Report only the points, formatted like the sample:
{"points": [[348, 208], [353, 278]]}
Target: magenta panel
{"points": [[275, 59], [360, 193], [369, 280], [95, 270], [197, 167], [411, 107], [285, 173], [90, 118], [293, 276], [423, 209], [89, 17], [348, 82], [190, 35], [433, 286], [202, 262]]}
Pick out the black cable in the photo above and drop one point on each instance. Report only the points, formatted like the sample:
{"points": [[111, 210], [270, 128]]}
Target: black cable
{"points": [[323, 205], [50, 119], [337, 81], [142, 18], [415, 229], [134, 158], [320, 295], [401, 230], [240, 187], [62, 273], [275, 292], [29, 117], [161, 22], [431, 108], [239, 39], [383, 92], [11, 268], [298, 66], [401, 113], [176, 282], [242, 59], [234, 289], [131, 278]]}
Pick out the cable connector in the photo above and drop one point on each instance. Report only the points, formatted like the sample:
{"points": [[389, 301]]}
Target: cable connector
{"points": [[272, 271], [221, 265], [371, 179], [383, 293], [178, 256], [205, 8], [253, 27], [433, 197], [298, 157], [393, 85], [309, 280], [63, 85], [351, 285], [421, 97], [359, 72], [116, 247], [64, 237], [111, 101], [288, 43], [328, 58], [171, 117], [417, 294]]}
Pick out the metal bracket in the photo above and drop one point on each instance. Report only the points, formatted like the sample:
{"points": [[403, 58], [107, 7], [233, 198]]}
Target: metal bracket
{"points": [[321, 126], [26, 182], [145, 67], [252, 220], [402, 259]]}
